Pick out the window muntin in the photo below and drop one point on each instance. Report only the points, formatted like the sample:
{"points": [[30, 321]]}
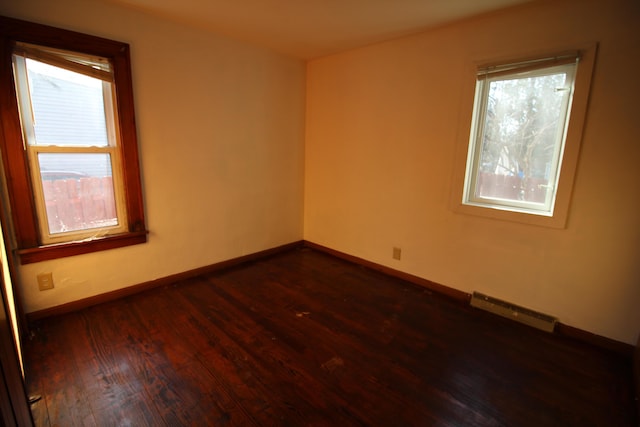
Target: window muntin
{"points": [[520, 119], [67, 117]]}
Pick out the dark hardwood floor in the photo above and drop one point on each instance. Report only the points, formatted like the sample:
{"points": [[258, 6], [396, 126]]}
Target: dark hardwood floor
{"points": [[306, 339]]}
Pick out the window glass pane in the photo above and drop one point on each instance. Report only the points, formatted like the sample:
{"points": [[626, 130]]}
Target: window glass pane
{"points": [[68, 107], [78, 191], [523, 125]]}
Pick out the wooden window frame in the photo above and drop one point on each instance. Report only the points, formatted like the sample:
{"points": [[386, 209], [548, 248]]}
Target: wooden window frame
{"points": [[20, 192]]}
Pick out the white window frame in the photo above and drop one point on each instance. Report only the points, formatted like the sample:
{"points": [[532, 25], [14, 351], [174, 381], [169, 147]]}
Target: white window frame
{"points": [[83, 64], [485, 78], [554, 212]]}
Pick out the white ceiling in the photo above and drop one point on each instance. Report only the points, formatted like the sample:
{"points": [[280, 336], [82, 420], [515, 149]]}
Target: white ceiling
{"points": [[312, 28]]}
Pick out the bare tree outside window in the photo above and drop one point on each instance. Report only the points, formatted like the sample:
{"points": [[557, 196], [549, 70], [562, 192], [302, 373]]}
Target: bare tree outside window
{"points": [[519, 137]]}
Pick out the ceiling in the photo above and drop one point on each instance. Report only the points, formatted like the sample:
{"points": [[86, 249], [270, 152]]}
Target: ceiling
{"points": [[312, 28]]}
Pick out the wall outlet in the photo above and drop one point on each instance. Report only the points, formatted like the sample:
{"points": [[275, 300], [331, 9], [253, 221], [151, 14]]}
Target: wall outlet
{"points": [[397, 253], [45, 281]]}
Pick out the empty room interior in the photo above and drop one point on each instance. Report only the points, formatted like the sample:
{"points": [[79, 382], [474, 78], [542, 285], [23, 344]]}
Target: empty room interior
{"points": [[322, 213]]}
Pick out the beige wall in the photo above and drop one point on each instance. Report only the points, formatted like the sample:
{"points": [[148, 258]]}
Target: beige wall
{"points": [[383, 127], [221, 128]]}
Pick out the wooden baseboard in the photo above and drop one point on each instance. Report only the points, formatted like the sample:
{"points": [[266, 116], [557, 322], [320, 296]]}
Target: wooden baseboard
{"points": [[563, 330], [451, 293], [446, 291], [164, 281], [595, 340]]}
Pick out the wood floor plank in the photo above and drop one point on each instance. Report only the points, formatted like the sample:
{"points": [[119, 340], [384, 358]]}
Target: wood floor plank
{"points": [[62, 390], [177, 341], [246, 340], [393, 380], [108, 368], [507, 355], [304, 338], [340, 372]]}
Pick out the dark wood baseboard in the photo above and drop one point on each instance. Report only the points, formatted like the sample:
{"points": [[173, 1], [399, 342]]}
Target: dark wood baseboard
{"points": [[454, 294], [448, 292], [595, 340], [463, 297], [164, 281]]}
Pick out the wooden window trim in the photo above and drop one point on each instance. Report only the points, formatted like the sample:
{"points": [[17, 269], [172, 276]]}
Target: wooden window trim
{"points": [[18, 182]]}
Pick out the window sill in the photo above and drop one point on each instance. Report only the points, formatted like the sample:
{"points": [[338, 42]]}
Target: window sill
{"points": [[557, 220], [49, 252]]}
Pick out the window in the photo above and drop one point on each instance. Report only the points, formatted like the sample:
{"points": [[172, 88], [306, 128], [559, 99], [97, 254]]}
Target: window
{"points": [[69, 144], [522, 149], [66, 109]]}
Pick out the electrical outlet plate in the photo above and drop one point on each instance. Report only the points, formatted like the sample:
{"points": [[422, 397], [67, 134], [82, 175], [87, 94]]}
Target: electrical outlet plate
{"points": [[397, 253], [45, 281]]}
